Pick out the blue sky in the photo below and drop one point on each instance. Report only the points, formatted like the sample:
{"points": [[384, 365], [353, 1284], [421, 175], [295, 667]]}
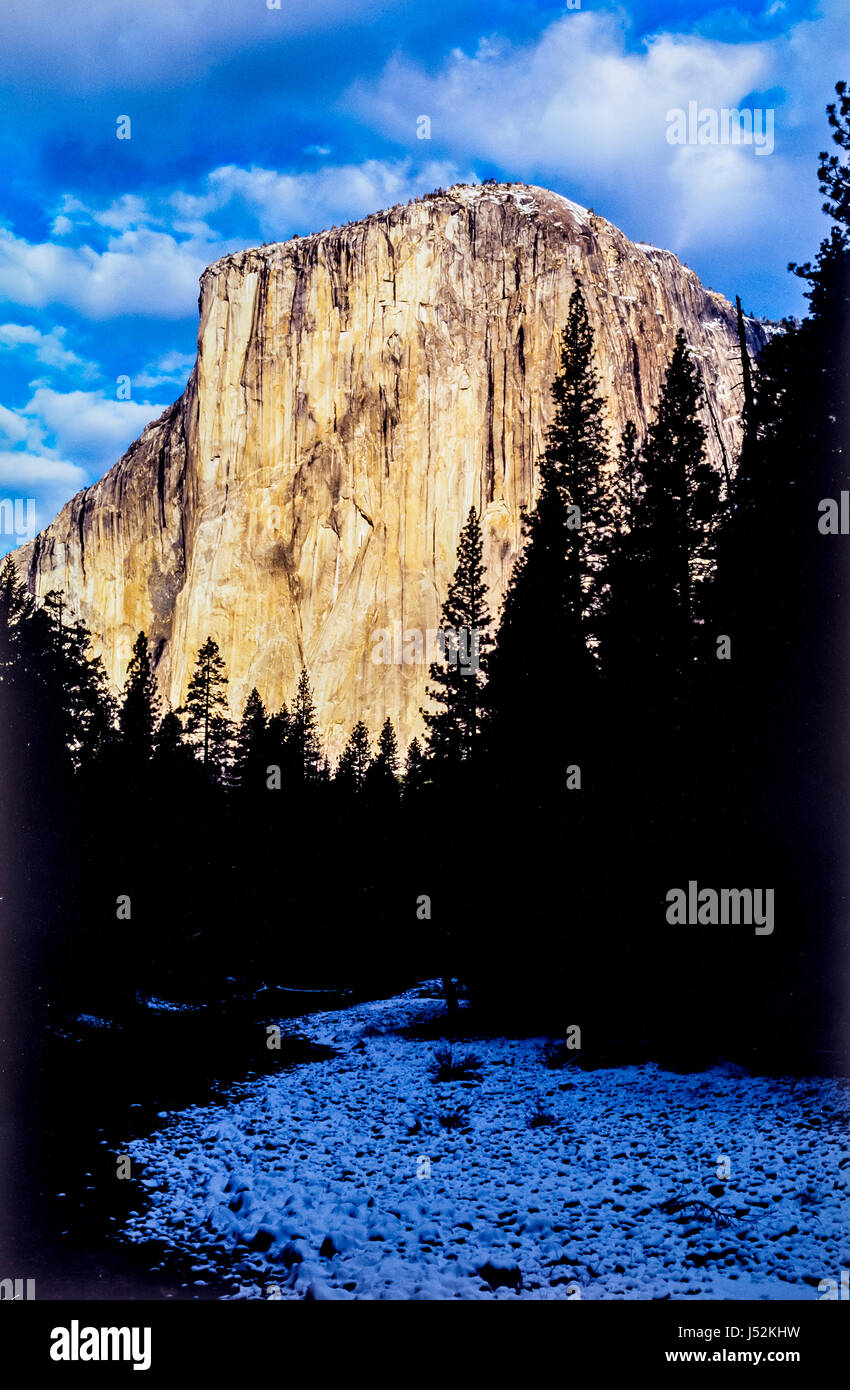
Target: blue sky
{"points": [[250, 123]]}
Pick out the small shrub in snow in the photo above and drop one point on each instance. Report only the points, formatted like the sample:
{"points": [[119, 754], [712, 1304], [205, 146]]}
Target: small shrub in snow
{"points": [[539, 1115], [702, 1211], [500, 1276], [445, 1066], [556, 1055], [455, 1119]]}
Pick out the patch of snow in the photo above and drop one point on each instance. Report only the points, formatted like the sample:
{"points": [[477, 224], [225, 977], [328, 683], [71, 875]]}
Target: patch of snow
{"points": [[169, 1006], [770, 330], [576, 208], [337, 1179]]}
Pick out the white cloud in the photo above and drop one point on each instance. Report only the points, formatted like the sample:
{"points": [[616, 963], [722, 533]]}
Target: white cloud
{"points": [[142, 271], [127, 211], [576, 104], [60, 442], [573, 98], [47, 348], [171, 369], [86, 424], [723, 196], [19, 469], [286, 202], [14, 428], [282, 203], [39, 484]]}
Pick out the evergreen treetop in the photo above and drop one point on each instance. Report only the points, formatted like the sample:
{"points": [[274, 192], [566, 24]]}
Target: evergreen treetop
{"points": [[139, 712], [206, 708], [458, 680]]}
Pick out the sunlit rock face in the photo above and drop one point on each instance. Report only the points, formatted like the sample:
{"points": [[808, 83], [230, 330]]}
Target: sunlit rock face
{"points": [[355, 392]]}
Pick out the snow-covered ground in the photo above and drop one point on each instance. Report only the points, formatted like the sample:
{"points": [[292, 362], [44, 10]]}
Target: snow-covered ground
{"points": [[336, 1179]]}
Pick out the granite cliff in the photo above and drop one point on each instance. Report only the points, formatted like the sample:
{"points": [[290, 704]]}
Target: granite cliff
{"points": [[355, 391]]}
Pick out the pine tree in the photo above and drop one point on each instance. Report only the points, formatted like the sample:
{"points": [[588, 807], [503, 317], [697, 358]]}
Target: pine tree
{"points": [[382, 777], [542, 672], [278, 743], [387, 758], [251, 743], [278, 728], [139, 711], [833, 174], [207, 720], [33, 697], [168, 740], [16, 609], [628, 480], [577, 451], [415, 769], [775, 791], [662, 561], [87, 709], [677, 515], [355, 760], [657, 653], [303, 738], [454, 730]]}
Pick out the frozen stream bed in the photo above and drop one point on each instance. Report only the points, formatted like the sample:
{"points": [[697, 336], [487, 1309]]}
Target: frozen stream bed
{"points": [[337, 1179]]}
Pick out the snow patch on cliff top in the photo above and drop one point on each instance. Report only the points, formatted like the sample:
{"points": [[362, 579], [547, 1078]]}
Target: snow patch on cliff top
{"points": [[527, 198]]}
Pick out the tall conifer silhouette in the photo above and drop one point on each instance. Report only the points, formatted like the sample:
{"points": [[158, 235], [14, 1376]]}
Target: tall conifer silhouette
{"points": [[542, 670], [356, 759], [207, 719], [251, 743], [302, 735], [458, 679], [139, 712]]}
